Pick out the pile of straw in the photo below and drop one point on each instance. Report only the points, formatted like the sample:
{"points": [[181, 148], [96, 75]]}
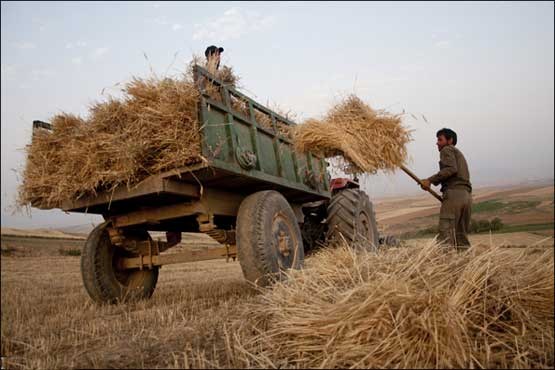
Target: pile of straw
{"points": [[153, 128], [368, 140], [228, 76], [415, 307]]}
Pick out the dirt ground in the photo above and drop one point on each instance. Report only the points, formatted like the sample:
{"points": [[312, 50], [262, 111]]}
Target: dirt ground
{"points": [[48, 321]]}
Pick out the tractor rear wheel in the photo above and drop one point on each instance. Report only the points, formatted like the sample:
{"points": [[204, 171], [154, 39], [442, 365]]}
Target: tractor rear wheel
{"points": [[351, 216], [103, 281], [269, 239]]}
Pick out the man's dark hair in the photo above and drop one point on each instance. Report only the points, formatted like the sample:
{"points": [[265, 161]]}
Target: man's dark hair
{"points": [[448, 134], [212, 50]]}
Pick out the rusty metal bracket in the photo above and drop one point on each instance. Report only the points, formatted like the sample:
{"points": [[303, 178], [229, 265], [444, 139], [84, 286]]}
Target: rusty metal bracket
{"points": [[140, 247], [205, 222], [231, 252], [150, 256], [222, 236], [193, 255], [116, 236]]}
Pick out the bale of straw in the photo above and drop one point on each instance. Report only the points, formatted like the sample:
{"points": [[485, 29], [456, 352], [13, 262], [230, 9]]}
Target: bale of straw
{"points": [[153, 128], [415, 307], [368, 140]]}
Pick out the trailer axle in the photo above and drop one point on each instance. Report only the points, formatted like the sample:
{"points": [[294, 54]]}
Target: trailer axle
{"points": [[193, 255]]}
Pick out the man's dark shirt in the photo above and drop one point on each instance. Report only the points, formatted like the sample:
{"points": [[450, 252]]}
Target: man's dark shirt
{"points": [[453, 170]]}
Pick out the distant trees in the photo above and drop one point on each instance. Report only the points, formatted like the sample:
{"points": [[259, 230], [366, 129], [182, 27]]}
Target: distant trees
{"points": [[480, 226], [476, 226], [496, 224]]}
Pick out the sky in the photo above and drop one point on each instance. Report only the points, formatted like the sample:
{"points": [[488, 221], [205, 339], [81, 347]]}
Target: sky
{"points": [[484, 70]]}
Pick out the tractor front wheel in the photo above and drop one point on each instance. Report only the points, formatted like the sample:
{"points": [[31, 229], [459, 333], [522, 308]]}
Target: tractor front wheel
{"points": [[351, 217]]}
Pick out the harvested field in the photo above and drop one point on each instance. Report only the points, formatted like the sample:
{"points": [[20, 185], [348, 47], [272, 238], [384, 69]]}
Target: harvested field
{"points": [[32, 246], [205, 315], [48, 321], [517, 239]]}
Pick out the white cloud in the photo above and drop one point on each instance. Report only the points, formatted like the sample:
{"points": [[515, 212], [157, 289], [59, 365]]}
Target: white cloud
{"points": [[37, 74], [77, 44], [443, 44], [25, 45], [412, 67], [98, 52], [232, 25], [77, 60], [8, 71], [163, 21], [38, 21]]}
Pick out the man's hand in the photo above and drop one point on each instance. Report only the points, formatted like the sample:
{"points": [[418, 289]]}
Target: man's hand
{"points": [[425, 184]]}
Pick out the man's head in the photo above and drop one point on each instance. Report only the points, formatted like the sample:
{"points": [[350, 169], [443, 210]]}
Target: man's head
{"points": [[212, 54], [213, 51], [445, 137]]}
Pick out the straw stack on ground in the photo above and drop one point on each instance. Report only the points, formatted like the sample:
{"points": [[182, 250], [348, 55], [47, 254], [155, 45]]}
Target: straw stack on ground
{"points": [[368, 140], [408, 308], [153, 128]]}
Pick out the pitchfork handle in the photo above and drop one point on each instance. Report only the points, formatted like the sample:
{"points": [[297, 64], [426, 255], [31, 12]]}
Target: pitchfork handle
{"points": [[417, 179]]}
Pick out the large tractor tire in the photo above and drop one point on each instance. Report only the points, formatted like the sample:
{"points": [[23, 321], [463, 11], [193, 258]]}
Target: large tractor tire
{"points": [[269, 239], [103, 281], [351, 217], [390, 241]]}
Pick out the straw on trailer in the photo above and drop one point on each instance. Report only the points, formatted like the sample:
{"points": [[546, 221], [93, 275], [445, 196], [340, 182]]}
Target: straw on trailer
{"points": [[153, 128]]}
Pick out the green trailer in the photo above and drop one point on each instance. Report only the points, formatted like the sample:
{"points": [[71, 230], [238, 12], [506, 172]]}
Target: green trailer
{"points": [[264, 202]]}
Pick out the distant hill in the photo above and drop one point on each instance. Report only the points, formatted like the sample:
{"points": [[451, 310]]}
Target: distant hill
{"points": [[523, 206], [82, 229], [40, 233]]}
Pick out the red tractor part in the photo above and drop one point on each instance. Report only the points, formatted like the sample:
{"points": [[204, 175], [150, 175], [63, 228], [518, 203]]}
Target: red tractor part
{"points": [[341, 183]]}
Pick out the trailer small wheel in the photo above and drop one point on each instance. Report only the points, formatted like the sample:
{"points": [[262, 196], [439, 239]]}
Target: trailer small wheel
{"points": [[268, 236], [351, 215], [102, 280]]}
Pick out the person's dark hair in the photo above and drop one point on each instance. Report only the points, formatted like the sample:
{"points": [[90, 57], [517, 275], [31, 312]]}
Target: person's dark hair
{"points": [[448, 134], [212, 50]]}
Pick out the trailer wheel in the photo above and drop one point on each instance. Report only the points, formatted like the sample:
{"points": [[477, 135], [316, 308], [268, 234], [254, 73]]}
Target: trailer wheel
{"points": [[351, 214], [268, 237], [103, 281]]}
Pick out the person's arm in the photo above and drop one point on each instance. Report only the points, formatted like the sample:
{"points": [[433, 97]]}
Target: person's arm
{"points": [[449, 166]]}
